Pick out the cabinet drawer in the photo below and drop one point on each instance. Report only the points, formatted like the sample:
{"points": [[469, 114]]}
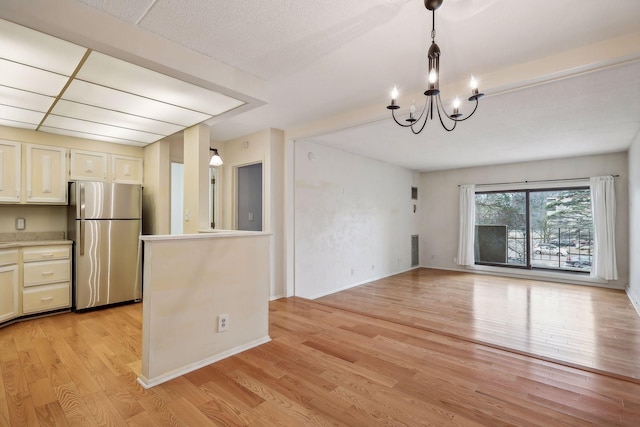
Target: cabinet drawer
{"points": [[43, 253], [36, 273], [9, 256], [45, 297]]}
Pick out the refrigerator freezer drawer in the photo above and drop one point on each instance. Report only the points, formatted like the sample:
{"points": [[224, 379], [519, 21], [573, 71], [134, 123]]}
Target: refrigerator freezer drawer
{"points": [[46, 297], [46, 253], [107, 263], [36, 273]]}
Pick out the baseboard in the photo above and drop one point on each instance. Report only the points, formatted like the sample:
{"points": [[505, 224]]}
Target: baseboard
{"points": [[147, 383], [353, 285], [634, 298], [275, 297], [532, 275]]}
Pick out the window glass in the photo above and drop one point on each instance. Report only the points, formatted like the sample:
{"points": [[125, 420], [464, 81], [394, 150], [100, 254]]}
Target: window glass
{"points": [[546, 229]]}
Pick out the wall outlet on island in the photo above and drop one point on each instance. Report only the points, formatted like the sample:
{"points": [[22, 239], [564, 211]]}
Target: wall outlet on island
{"points": [[223, 322]]}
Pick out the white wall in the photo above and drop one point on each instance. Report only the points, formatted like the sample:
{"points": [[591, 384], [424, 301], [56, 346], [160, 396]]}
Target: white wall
{"points": [[439, 202], [634, 223], [353, 219]]}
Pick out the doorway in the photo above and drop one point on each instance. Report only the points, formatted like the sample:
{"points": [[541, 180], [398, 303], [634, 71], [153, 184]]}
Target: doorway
{"points": [[177, 197], [249, 197]]}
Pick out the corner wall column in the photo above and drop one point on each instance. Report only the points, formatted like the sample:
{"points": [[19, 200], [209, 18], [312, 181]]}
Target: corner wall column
{"points": [[196, 175]]}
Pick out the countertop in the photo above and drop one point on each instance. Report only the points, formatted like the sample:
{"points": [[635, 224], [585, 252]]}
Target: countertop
{"points": [[25, 243], [24, 239]]}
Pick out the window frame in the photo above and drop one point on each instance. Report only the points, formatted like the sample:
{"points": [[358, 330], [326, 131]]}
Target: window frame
{"points": [[528, 237]]}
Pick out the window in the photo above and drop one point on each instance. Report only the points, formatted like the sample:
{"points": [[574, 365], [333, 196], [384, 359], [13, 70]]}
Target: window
{"points": [[535, 229]]}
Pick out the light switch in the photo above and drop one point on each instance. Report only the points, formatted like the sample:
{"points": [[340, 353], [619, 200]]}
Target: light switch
{"points": [[20, 223], [250, 216]]}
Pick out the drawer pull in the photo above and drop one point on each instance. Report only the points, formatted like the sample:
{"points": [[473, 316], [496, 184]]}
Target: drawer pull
{"points": [[47, 255], [44, 299], [47, 273]]}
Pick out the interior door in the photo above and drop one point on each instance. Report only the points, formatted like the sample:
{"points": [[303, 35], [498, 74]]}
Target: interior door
{"points": [[249, 197]]}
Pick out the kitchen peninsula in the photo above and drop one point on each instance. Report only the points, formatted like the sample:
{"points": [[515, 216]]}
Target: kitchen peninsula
{"points": [[189, 281]]}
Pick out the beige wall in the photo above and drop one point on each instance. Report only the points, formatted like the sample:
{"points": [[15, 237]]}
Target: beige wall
{"points": [[39, 218], [266, 147], [43, 138], [156, 194], [439, 195], [189, 281]]}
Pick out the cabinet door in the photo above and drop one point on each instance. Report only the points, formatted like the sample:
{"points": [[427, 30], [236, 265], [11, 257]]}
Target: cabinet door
{"points": [[46, 174], [126, 170], [88, 165], [8, 292], [10, 171]]}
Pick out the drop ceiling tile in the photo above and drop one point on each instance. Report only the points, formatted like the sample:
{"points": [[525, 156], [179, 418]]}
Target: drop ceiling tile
{"points": [[29, 47], [23, 99], [14, 124], [23, 77], [115, 73], [92, 136], [99, 129], [114, 118], [103, 97], [21, 115]]}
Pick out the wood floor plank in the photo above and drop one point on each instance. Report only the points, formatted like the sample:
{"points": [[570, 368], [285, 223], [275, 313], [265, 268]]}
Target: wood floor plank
{"points": [[551, 320]]}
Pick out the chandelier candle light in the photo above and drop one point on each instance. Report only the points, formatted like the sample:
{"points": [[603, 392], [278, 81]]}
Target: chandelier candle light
{"points": [[432, 94]]}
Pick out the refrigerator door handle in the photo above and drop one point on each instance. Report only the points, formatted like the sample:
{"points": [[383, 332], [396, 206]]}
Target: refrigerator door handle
{"points": [[82, 213]]}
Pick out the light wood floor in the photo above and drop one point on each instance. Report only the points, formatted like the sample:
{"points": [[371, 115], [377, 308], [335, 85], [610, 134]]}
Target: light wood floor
{"points": [[325, 366], [593, 328]]}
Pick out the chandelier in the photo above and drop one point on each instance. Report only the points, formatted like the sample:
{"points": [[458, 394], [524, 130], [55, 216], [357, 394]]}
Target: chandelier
{"points": [[432, 94]]}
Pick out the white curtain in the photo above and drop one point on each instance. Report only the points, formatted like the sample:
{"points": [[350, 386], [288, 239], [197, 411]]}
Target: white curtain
{"points": [[603, 210], [467, 223]]}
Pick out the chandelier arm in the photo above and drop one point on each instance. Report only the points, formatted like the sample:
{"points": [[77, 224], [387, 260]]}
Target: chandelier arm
{"points": [[471, 114], [396, 120], [426, 110], [439, 101]]}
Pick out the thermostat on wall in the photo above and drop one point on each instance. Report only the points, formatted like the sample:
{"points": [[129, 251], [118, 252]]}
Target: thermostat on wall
{"points": [[20, 223]]}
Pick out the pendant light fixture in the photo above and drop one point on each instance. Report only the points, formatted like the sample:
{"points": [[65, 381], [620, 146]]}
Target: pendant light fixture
{"points": [[432, 94], [216, 160]]}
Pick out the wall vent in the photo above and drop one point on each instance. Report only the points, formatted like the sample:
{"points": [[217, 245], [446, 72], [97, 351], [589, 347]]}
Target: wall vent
{"points": [[415, 258]]}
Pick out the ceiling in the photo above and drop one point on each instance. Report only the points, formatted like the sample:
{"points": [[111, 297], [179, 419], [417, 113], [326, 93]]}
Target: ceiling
{"points": [[560, 77], [52, 85]]}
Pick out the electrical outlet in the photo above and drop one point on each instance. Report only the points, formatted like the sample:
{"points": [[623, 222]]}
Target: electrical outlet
{"points": [[20, 224], [223, 322]]}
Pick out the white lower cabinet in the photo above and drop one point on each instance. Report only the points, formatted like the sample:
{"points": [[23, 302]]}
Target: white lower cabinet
{"points": [[34, 279], [37, 299], [46, 278], [9, 291]]}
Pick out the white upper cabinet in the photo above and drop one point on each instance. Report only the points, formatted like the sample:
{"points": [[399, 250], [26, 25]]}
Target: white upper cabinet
{"points": [[126, 170], [88, 165], [10, 161], [46, 174], [95, 166]]}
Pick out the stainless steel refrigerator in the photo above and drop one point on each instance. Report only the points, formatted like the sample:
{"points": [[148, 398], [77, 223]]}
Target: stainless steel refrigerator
{"points": [[105, 221]]}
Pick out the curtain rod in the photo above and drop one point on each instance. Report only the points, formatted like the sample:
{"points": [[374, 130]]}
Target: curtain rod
{"points": [[537, 181]]}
